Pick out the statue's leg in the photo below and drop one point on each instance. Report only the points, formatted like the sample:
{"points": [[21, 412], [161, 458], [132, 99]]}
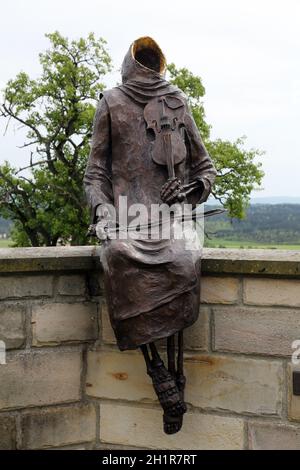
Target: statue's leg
{"points": [[145, 352], [163, 382], [171, 354], [180, 378], [156, 359], [174, 424]]}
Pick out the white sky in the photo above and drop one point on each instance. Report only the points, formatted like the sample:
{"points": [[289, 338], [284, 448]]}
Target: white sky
{"points": [[246, 51]]}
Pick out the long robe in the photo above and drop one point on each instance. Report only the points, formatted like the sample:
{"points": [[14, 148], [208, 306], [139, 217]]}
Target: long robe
{"points": [[152, 286]]}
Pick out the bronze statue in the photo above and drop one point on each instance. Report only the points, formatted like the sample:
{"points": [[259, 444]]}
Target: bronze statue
{"points": [[146, 147]]}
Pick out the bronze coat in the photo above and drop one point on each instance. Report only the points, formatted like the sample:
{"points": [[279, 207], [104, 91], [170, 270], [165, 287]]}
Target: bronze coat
{"points": [[152, 286]]}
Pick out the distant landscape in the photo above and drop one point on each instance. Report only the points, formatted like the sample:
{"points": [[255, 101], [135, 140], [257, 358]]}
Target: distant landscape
{"points": [[266, 200], [5, 227], [267, 225]]}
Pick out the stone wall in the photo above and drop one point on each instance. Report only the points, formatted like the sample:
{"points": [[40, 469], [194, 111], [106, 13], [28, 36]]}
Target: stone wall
{"points": [[66, 385]]}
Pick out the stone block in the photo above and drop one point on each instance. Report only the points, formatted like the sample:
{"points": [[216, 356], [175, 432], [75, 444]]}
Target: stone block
{"points": [[73, 284], [25, 286], [284, 292], [12, 318], [256, 330], [142, 427], [40, 378], [219, 290], [55, 323], [7, 432], [61, 426], [265, 436]]}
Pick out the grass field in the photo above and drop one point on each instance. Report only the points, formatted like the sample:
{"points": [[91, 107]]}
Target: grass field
{"points": [[5, 243], [222, 243]]}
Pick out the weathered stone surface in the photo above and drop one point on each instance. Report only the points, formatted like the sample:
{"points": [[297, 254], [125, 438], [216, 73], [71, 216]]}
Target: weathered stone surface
{"points": [[71, 285], [55, 427], [293, 400], [73, 447], [12, 317], [234, 384], [7, 432], [256, 330], [219, 290], [198, 335], [237, 261], [54, 323], [214, 261], [25, 286], [112, 374], [263, 436], [272, 292], [41, 378], [56, 258], [213, 382], [117, 447], [108, 335], [142, 427]]}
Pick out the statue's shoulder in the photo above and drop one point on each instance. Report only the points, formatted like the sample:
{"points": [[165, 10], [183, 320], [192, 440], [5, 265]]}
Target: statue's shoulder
{"points": [[112, 96], [182, 96]]}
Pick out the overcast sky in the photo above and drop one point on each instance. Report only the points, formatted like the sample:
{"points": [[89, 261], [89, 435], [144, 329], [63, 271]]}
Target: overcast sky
{"points": [[246, 51]]}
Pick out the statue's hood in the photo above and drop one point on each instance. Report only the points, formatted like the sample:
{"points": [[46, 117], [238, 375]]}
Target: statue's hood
{"points": [[134, 70], [143, 83]]}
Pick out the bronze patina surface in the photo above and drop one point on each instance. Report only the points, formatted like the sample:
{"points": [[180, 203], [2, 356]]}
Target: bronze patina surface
{"points": [[146, 146]]}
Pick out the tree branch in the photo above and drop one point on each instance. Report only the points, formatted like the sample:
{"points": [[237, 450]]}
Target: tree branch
{"points": [[10, 113], [41, 162]]}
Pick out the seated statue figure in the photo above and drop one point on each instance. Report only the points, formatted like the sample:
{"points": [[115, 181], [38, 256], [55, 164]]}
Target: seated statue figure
{"points": [[147, 148]]}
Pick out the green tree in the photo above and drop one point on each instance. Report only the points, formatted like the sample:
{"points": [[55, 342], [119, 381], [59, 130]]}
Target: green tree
{"points": [[45, 199], [239, 172]]}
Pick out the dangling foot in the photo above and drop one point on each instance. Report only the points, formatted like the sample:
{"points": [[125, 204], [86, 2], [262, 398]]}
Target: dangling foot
{"points": [[172, 424], [166, 390]]}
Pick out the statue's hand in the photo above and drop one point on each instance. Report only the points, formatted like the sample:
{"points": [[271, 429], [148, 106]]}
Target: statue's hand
{"points": [[171, 191]]}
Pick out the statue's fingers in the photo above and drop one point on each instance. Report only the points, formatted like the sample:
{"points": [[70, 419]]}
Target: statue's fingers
{"points": [[168, 183], [165, 185], [173, 196], [173, 187], [163, 191], [169, 187], [165, 188]]}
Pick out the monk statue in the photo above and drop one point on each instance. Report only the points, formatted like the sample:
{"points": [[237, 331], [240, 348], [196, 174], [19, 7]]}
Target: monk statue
{"points": [[146, 149]]}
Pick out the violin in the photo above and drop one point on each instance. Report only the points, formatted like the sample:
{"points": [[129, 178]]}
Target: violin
{"points": [[165, 116]]}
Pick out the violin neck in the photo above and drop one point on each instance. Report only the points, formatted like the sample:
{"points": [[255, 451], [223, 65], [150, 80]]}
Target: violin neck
{"points": [[169, 154], [171, 172]]}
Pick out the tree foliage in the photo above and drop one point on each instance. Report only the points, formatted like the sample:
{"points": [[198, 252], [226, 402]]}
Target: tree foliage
{"points": [[45, 198], [57, 111]]}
